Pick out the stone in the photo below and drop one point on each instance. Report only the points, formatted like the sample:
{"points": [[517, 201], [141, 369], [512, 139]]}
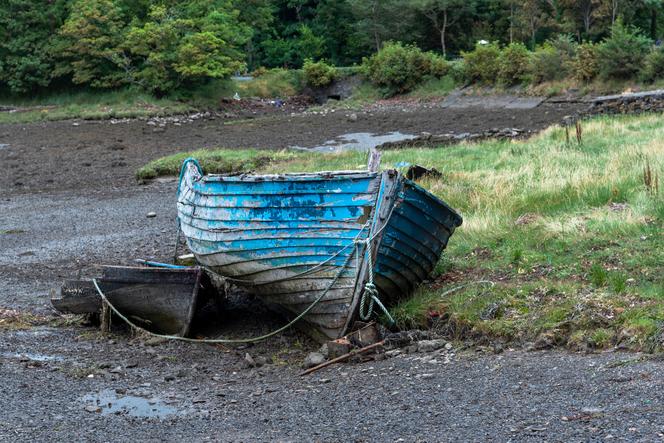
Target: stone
{"points": [[151, 214], [364, 335], [313, 359], [92, 408], [337, 348], [352, 117], [430, 345], [261, 361], [249, 360]]}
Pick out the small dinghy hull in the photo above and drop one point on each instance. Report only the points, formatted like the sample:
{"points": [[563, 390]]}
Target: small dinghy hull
{"points": [[161, 300]]}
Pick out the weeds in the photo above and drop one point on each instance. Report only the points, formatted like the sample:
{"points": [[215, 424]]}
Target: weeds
{"points": [[650, 180], [598, 276]]}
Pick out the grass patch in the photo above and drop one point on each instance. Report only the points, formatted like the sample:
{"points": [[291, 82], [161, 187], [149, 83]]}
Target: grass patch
{"points": [[570, 234], [435, 87], [219, 161], [89, 105], [273, 83]]}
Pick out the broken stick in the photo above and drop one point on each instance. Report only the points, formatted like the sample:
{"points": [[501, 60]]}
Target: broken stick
{"points": [[343, 357]]}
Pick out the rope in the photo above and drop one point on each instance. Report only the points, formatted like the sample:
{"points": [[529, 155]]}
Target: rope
{"points": [[219, 340], [370, 291]]}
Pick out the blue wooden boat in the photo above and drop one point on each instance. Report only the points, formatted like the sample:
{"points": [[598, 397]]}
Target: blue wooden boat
{"points": [[416, 234], [303, 240]]}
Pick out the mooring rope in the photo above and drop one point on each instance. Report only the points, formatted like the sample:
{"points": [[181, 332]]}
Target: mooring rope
{"points": [[223, 340]]}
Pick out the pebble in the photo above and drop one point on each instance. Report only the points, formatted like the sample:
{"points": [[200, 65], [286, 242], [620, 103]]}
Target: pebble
{"points": [[431, 345], [92, 408], [313, 359], [151, 214]]}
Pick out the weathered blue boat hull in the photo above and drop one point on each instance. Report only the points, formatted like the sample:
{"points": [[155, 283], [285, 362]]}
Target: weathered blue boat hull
{"points": [[413, 241], [293, 238], [286, 238]]}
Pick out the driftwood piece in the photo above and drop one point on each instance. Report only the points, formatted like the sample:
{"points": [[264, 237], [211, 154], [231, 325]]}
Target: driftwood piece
{"points": [[343, 357]]}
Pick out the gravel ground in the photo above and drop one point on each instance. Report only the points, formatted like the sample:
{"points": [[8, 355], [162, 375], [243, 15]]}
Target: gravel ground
{"points": [[78, 205], [202, 393]]}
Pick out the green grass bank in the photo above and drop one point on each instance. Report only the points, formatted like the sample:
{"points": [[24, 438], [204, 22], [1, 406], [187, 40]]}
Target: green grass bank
{"points": [[570, 236]]}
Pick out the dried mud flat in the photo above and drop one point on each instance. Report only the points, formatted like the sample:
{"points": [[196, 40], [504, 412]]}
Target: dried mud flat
{"points": [[69, 200]]}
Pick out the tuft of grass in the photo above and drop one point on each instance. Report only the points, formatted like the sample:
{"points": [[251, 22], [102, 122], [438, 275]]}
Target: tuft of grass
{"points": [[218, 161], [598, 275]]}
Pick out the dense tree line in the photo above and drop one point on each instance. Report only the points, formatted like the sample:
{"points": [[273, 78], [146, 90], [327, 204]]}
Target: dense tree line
{"points": [[164, 45]]}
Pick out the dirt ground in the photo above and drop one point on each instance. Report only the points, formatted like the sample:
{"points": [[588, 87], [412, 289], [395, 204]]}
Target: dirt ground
{"points": [[70, 201], [58, 156]]}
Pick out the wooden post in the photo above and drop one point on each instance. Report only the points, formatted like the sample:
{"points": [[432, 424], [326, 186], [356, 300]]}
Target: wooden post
{"points": [[105, 325]]}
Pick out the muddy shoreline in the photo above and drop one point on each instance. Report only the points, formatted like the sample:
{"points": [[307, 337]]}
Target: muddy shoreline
{"points": [[70, 201]]}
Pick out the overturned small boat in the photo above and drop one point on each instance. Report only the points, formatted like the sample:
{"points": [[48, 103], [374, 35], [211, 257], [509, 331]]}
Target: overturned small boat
{"points": [[326, 245]]}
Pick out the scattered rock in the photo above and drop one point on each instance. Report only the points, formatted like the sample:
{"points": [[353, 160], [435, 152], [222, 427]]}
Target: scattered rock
{"points": [[261, 361], [313, 359], [337, 348], [431, 345], [364, 334], [249, 360]]}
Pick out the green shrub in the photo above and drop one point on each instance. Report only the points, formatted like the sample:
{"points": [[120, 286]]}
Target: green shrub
{"points": [[398, 68], [548, 64], [457, 70], [584, 65], [318, 74], [553, 60], [514, 64], [566, 46], [483, 63], [622, 54], [653, 65]]}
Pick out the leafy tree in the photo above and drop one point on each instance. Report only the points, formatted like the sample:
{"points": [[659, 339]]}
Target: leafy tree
{"points": [[89, 44], [26, 53], [186, 43], [622, 55]]}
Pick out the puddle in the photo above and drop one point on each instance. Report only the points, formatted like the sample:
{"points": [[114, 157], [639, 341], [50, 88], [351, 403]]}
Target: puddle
{"points": [[4, 146], [358, 141], [112, 403], [31, 356]]}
